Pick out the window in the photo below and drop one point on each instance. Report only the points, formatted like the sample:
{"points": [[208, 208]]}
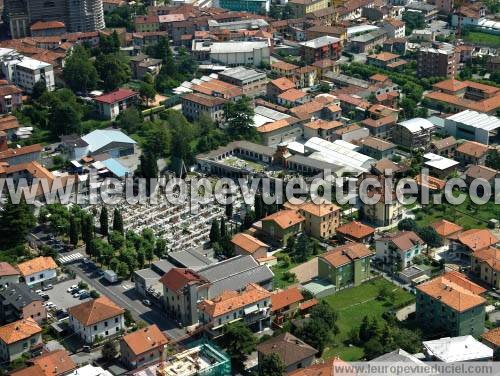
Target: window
{"points": [[116, 320], [95, 327], [105, 323]]}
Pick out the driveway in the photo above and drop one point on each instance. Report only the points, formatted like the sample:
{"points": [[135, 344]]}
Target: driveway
{"points": [[306, 271], [124, 295], [63, 299]]}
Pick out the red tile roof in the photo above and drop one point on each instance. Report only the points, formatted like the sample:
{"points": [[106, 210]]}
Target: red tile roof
{"points": [[145, 339], [356, 230], [346, 254], [116, 96], [176, 278], [43, 25], [477, 239], [55, 363], [285, 218], [19, 330], [95, 310], [446, 228], [248, 242], [284, 298]]}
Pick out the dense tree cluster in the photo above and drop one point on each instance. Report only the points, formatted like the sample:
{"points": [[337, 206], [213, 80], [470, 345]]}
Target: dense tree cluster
{"points": [[427, 233]]}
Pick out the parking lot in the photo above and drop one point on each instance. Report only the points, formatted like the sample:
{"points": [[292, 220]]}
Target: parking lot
{"points": [[61, 298]]}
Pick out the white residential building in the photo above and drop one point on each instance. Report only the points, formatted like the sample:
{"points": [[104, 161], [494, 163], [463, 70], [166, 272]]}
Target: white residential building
{"points": [[38, 271], [24, 71], [96, 318], [234, 53]]}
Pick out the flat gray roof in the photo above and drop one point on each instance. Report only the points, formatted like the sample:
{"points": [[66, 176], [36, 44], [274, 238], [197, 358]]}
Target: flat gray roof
{"points": [[243, 74]]}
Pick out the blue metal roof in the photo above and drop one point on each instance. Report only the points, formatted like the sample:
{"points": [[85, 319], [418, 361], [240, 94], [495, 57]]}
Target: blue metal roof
{"points": [[101, 137], [115, 167]]}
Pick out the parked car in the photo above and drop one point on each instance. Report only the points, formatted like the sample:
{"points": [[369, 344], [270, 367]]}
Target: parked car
{"points": [[146, 302], [38, 292], [85, 294], [76, 294], [44, 296], [72, 289], [48, 287]]}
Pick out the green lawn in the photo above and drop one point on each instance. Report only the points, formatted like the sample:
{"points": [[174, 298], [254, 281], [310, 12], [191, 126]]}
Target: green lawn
{"points": [[280, 269], [483, 39], [468, 215], [355, 303]]}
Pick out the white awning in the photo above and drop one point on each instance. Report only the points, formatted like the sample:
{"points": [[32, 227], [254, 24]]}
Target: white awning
{"points": [[251, 309]]}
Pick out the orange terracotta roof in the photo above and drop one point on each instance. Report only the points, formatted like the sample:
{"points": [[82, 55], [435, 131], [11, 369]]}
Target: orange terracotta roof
{"points": [[43, 25], [481, 172], [384, 56], [432, 182], [56, 362], [450, 85], [346, 254], [282, 65], [486, 105], [308, 304], [285, 218], [356, 230], [404, 240], [490, 256], [7, 269], [34, 370], [204, 100], [379, 77], [376, 123], [477, 239], [36, 265], [444, 143], [492, 336], [324, 369], [19, 330], [306, 109], [394, 22], [95, 310], [446, 228], [473, 148], [9, 153], [230, 301], [176, 278], [213, 87], [292, 95], [275, 125], [319, 209], [248, 242], [145, 339], [454, 290], [286, 297], [323, 124], [283, 83]]}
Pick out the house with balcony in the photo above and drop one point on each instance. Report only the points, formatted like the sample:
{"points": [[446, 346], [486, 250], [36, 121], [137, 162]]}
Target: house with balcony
{"points": [[19, 338], [280, 226], [471, 241], [451, 305], [325, 47], [96, 318], [346, 265], [39, 271], [18, 302], [285, 304], [110, 105], [395, 252], [144, 346], [486, 265], [252, 306]]}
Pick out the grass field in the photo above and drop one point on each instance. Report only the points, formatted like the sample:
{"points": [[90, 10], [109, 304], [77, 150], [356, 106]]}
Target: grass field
{"points": [[468, 215], [483, 39], [355, 303]]}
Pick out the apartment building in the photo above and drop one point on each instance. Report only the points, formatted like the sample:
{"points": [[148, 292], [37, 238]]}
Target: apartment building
{"points": [[486, 265], [194, 104], [413, 133], [396, 252], [302, 7], [325, 47], [346, 265], [283, 224], [439, 61], [252, 305], [451, 305], [251, 82], [110, 105]]}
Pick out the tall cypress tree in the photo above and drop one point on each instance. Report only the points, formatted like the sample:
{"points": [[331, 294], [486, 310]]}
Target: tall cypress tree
{"points": [[214, 232], [74, 230], [103, 220], [223, 232], [117, 221]]}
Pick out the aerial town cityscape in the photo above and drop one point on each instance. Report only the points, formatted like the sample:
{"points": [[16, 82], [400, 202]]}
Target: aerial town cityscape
{"points": [[249, 187]]}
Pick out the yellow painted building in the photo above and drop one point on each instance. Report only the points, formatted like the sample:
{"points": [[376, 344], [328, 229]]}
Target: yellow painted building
{"points": [[303, 7]]}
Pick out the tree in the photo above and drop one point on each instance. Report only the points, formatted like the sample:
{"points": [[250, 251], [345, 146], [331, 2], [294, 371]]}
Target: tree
{"points": [[214, 235], [407, 224], [275, 12], [116, 240], [413, 20], [223, 228], [87, 228], [239, 116], [39, 89], [64, 119], [315, 333], [113, 71], [408, 106], [430, 236], [287, 12], [229, 211], [147, 92], [122, 270], [74, 230], [238, 341], [373, 348], [160, 247], [271, 365], [117, 221], [79, 73], [493, 159], [103, 221], [129, 120], [149, 252], [148, 165], [364, 330], [327, 314], [16, 222], [302, 250], [109, 351], [109, 44]]}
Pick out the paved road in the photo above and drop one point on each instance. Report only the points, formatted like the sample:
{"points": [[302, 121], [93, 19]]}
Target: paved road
{"points": [[125, 296]]}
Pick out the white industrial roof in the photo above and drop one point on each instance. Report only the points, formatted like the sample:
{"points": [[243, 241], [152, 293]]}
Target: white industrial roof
{"points": [[476, 119], [90, 370], [320, 42], [32, 64], [237, 46], [416, 124], [101, 137], [458, 349], [264, 115], [439, 162], [360, 29], [338, 153]]}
